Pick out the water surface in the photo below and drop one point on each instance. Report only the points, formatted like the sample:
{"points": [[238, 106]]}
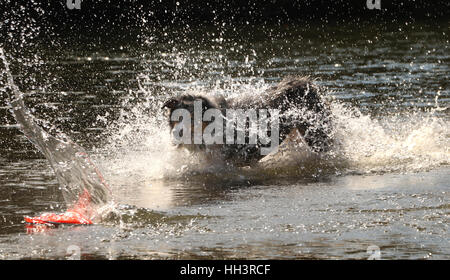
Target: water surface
{"points": [[387, 184]]}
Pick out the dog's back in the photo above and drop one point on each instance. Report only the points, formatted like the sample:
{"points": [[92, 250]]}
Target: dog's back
{"points": [[301, 106]]}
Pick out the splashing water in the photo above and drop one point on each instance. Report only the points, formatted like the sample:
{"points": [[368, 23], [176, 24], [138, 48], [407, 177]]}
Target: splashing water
{"points": [[409, 142], [403, 143], [74, 171], [140, 150]]}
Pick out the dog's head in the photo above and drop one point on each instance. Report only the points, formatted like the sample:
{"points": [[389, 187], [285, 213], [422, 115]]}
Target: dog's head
{"points": [[191, 104]]}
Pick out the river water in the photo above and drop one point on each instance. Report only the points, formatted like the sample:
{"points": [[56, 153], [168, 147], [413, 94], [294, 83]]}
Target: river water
{"points": [[387, 185]]}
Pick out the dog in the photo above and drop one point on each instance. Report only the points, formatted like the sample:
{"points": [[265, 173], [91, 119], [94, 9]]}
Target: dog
{"points": [[298, 101]]}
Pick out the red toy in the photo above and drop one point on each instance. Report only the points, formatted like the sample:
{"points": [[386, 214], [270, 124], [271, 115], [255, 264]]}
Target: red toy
{"points": [[79, 214]]}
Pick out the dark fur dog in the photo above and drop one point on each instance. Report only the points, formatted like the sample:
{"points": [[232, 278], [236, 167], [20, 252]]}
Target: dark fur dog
{"points": [[300, 105]]}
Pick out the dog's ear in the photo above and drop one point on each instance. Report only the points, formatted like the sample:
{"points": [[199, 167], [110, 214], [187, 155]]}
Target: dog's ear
{"points": [[172, 103]]}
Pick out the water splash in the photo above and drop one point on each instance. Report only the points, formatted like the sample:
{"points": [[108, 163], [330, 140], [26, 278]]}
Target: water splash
{"points": [[74, 170], [405, 142]]}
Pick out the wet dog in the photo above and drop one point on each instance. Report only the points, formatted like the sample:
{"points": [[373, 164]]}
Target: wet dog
{"points": [[296, 102]]}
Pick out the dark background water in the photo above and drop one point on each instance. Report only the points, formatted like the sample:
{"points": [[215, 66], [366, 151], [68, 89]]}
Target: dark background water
{"points": [[392, 66]]}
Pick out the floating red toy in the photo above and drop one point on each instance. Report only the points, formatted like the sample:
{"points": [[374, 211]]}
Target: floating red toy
{"points": [[79, 214]]}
